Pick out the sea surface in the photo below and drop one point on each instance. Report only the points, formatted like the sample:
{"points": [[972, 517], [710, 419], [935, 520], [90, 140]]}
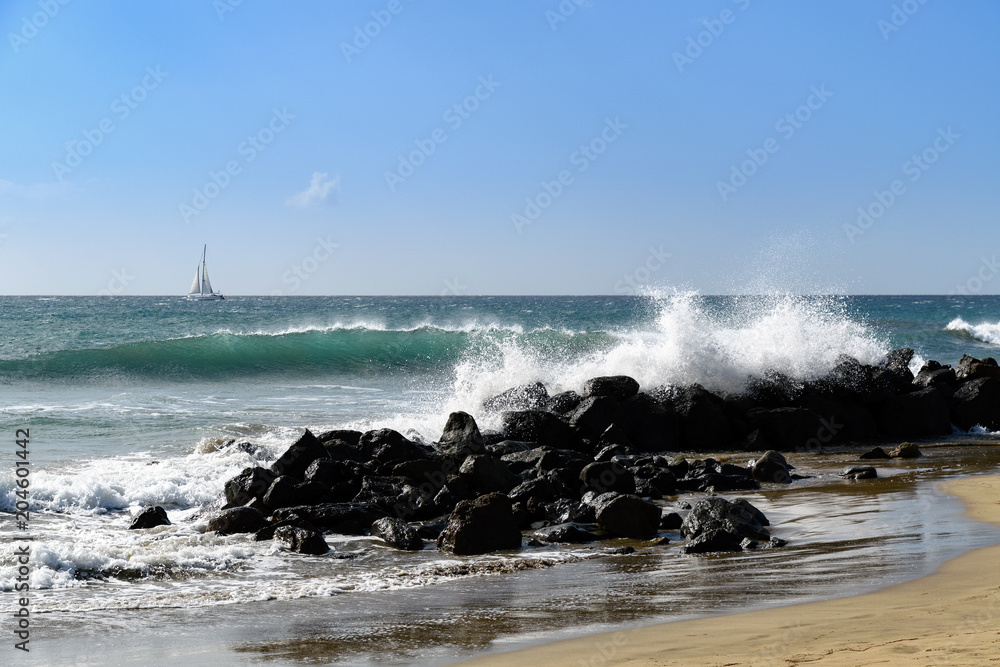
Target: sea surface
{"points": [[130, 400]]}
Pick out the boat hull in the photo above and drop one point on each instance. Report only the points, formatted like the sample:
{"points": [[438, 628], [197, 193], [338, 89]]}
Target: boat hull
{"points": [[204, 297]]}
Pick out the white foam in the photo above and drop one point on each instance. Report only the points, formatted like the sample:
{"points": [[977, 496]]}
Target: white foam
{"points": [[987, 332]]}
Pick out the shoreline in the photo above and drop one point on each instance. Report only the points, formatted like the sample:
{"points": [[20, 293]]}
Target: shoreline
{"points": [[949, 616]]}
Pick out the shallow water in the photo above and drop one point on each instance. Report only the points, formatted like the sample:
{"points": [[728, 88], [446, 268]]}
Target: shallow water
{"points": [[844, 538]]}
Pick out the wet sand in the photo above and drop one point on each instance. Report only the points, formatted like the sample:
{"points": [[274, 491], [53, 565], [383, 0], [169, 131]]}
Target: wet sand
{"points": [[949, 617]]}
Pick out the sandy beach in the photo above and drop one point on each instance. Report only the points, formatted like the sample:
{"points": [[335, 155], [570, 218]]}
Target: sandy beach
{"points": [[947, 618]]}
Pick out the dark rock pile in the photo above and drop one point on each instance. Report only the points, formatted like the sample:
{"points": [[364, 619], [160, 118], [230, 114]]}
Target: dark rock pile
{"points": [[577, 468]]}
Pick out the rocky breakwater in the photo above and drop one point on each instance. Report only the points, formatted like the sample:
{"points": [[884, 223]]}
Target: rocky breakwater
{"points": [[574, 468]]}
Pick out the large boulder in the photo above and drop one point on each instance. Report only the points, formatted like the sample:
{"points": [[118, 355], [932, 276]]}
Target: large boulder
{"points": [[844, 419], [461, 437], [771, 467], [283, 492], [237, 520], [593, 416], [620, 387], [487, 474], [151, 517], [251, 484], [567, 533], [301, 540], [542, 427], [604, 476], [859, 472], [921, 413], [329, 472], [397, 533], [297, 458], [724, 522], [481, 526], [970, 368], [626, 515], [933, 374], [789, 429], [650, 422], [524, 397], [563, 403], [977, 403], [704, 423], [342, 518], [388, 446]]}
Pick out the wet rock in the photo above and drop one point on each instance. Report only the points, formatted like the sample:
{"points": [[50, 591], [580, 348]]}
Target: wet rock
{"points": [[671, 521], [342, 435], [859, 472], [328, 472], [906, 450], [151, 517], [480, 526], [567, 533], [542, 488], [250, 484], [301, 540], [620, 387], [646, 489], [842, 419], [487, 474], [921, 413], [771, 467], [524, 397], [722, 525], [622, 551], [397, 533], [788, 429], [237, 520], [604, 476], [387, 446], [461, 437], [650, 422], [297, 458], [282, 493], [593, 416], [897, 363], [874, 454], [544, 428], [970, 368], [505, 447], [626, 515], [563, 403], [609, 452], [570, 511], [772, 390], [431, 531], [935, 375], [977, 403], [704, 423], [341, 518], [432, 472]]}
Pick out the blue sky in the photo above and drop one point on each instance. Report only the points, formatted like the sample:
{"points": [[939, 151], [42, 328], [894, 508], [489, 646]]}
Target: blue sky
{"points": [[366, 179]]}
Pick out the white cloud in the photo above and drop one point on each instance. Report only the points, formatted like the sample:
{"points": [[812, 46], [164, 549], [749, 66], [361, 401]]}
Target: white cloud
{"points": [[36, 191], [319, 187]]}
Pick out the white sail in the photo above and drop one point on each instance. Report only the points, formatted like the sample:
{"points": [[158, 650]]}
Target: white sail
{"points": [[205, 283], [196, 285]]}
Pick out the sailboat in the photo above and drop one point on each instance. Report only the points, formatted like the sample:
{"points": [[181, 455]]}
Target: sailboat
{"points": [[201, 288]]}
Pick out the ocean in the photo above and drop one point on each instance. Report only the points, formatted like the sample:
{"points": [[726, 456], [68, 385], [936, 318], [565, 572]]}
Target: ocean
{"points": [[130, 401]]}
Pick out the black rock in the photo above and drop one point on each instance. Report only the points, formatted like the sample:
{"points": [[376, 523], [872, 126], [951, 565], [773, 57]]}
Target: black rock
{"points": [[524, 397], [481, 526], [542, 488], [704, 423], [788, 429], [504, 447], [771, 467], [570, 511], [251, 484], [297, 458], [937, 377], [389, 446], [970, 368], [594, 416], [620, 387], [650, 422], [874, 454], [604, 476], [859, 472], [342, 518], [567, 533], [921, 413], [328, 472], [977, 403], [542, 427], [431, 531], [626, 515], [906, 450], [563, 403], [397, 533], [737, 520], [714, 541], [487, 474], [343, 435], [671, 521], [237, 520], [282, 493], [461, 437], [301, 540], [151, 517]]}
